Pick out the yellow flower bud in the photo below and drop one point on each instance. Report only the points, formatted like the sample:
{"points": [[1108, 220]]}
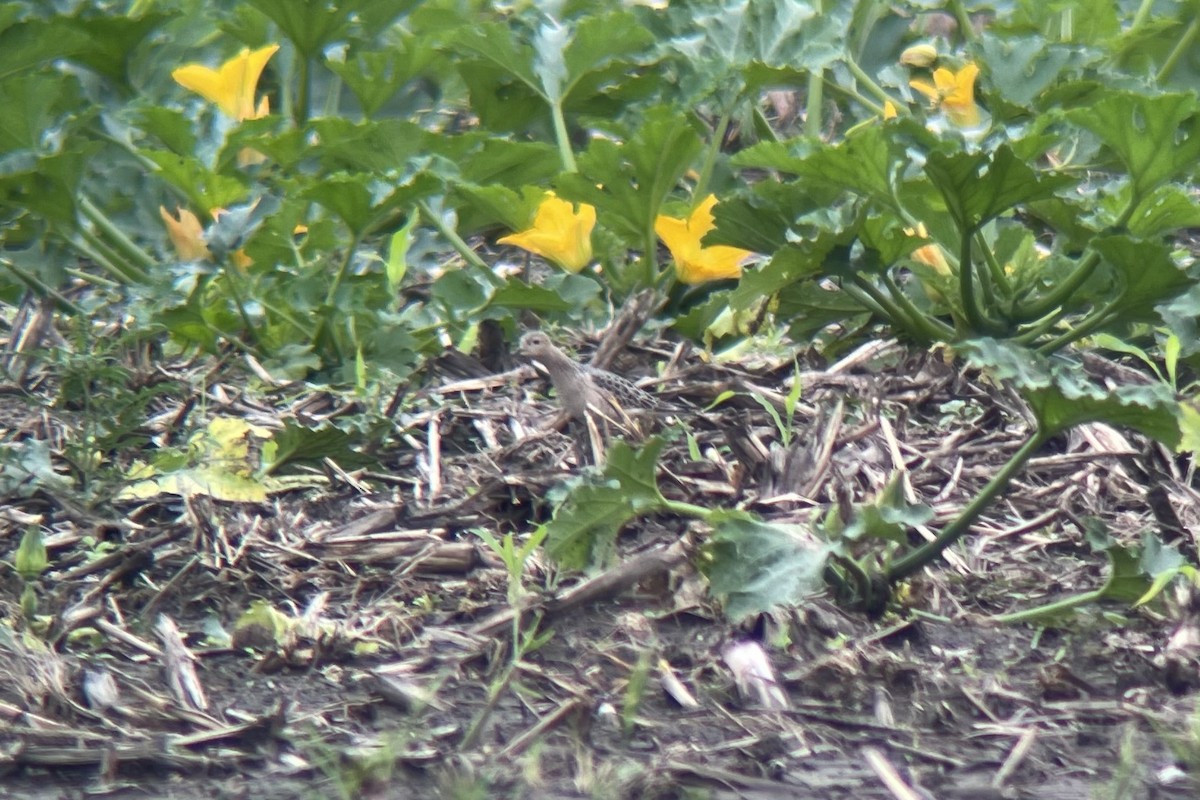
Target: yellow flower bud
{"points": [[919, 55]]}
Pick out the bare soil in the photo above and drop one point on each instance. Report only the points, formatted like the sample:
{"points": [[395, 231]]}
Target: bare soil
{"points": [[392, 673]]}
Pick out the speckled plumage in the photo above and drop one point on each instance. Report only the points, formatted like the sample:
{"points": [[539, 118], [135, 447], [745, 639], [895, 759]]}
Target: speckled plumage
{"points": [[582, 388]]}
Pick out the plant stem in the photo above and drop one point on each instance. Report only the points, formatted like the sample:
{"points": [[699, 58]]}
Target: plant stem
{"points": [[1183, 46], [232, 280], [868, 82], [92, 247], [966, 274], [815, 95], [302, 89], [343, 269], [86, 277], [1049, 609], [331, 295], [931, 329], [964, 20], [710, 157], [866, 102], [812, 105], [456, 241], [926, 553], [39, 286], [1030, 335], [563, 139], [894, 312], [1096, 319], [1061, 293], [999, 279], [762, 127], [1139, 18], [495, 690], [116, 236], [864, 299], [649, 260], [688, 510]]}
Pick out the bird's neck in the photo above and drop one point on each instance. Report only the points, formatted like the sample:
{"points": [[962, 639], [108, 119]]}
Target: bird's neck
{"points": [[560, 365]]}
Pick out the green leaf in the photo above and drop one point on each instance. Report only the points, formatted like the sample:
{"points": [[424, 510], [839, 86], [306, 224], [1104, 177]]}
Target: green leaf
{"points": [[495, 46], [1181, 315], [204, 189], [38, 111], [264, 627], [889, 516], [360, 201], [238, 224], [488, 205], [380, 146], [789, 265], [811, 307], [583, 532], [1165, 210], [312, 24], [507, 163], [112, 39], [297, 444], [396, 264], [502, 102], [784, 156], [1021, 67], [773, 216], [564, 57], [732, 47], [1061, 396], [30, 560], [757, 566], [518, 295], [460, 291], [866, 164], [1148, 275], [1068, 217], [1127, 582], [48, 186], [695, 323], [1135, 576], [28, 469], [1189, 423], [30, 43], [225, 462], [627, 183], [170, 126], [188, 324], [978, 187], [376, 77], [1157, 138]]}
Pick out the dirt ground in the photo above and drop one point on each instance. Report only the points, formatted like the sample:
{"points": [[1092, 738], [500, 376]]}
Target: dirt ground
{"points": [[386, 669]]}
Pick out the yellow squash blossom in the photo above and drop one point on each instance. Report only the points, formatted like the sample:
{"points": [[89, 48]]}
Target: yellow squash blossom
{"points": [[232, 85], [694, 263], [187, 234], [954, 93], [931, 255], [559, 233], [889, 110]]}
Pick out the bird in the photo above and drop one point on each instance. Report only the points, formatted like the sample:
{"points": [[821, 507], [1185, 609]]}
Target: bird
{"points": [[583, 389]]}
